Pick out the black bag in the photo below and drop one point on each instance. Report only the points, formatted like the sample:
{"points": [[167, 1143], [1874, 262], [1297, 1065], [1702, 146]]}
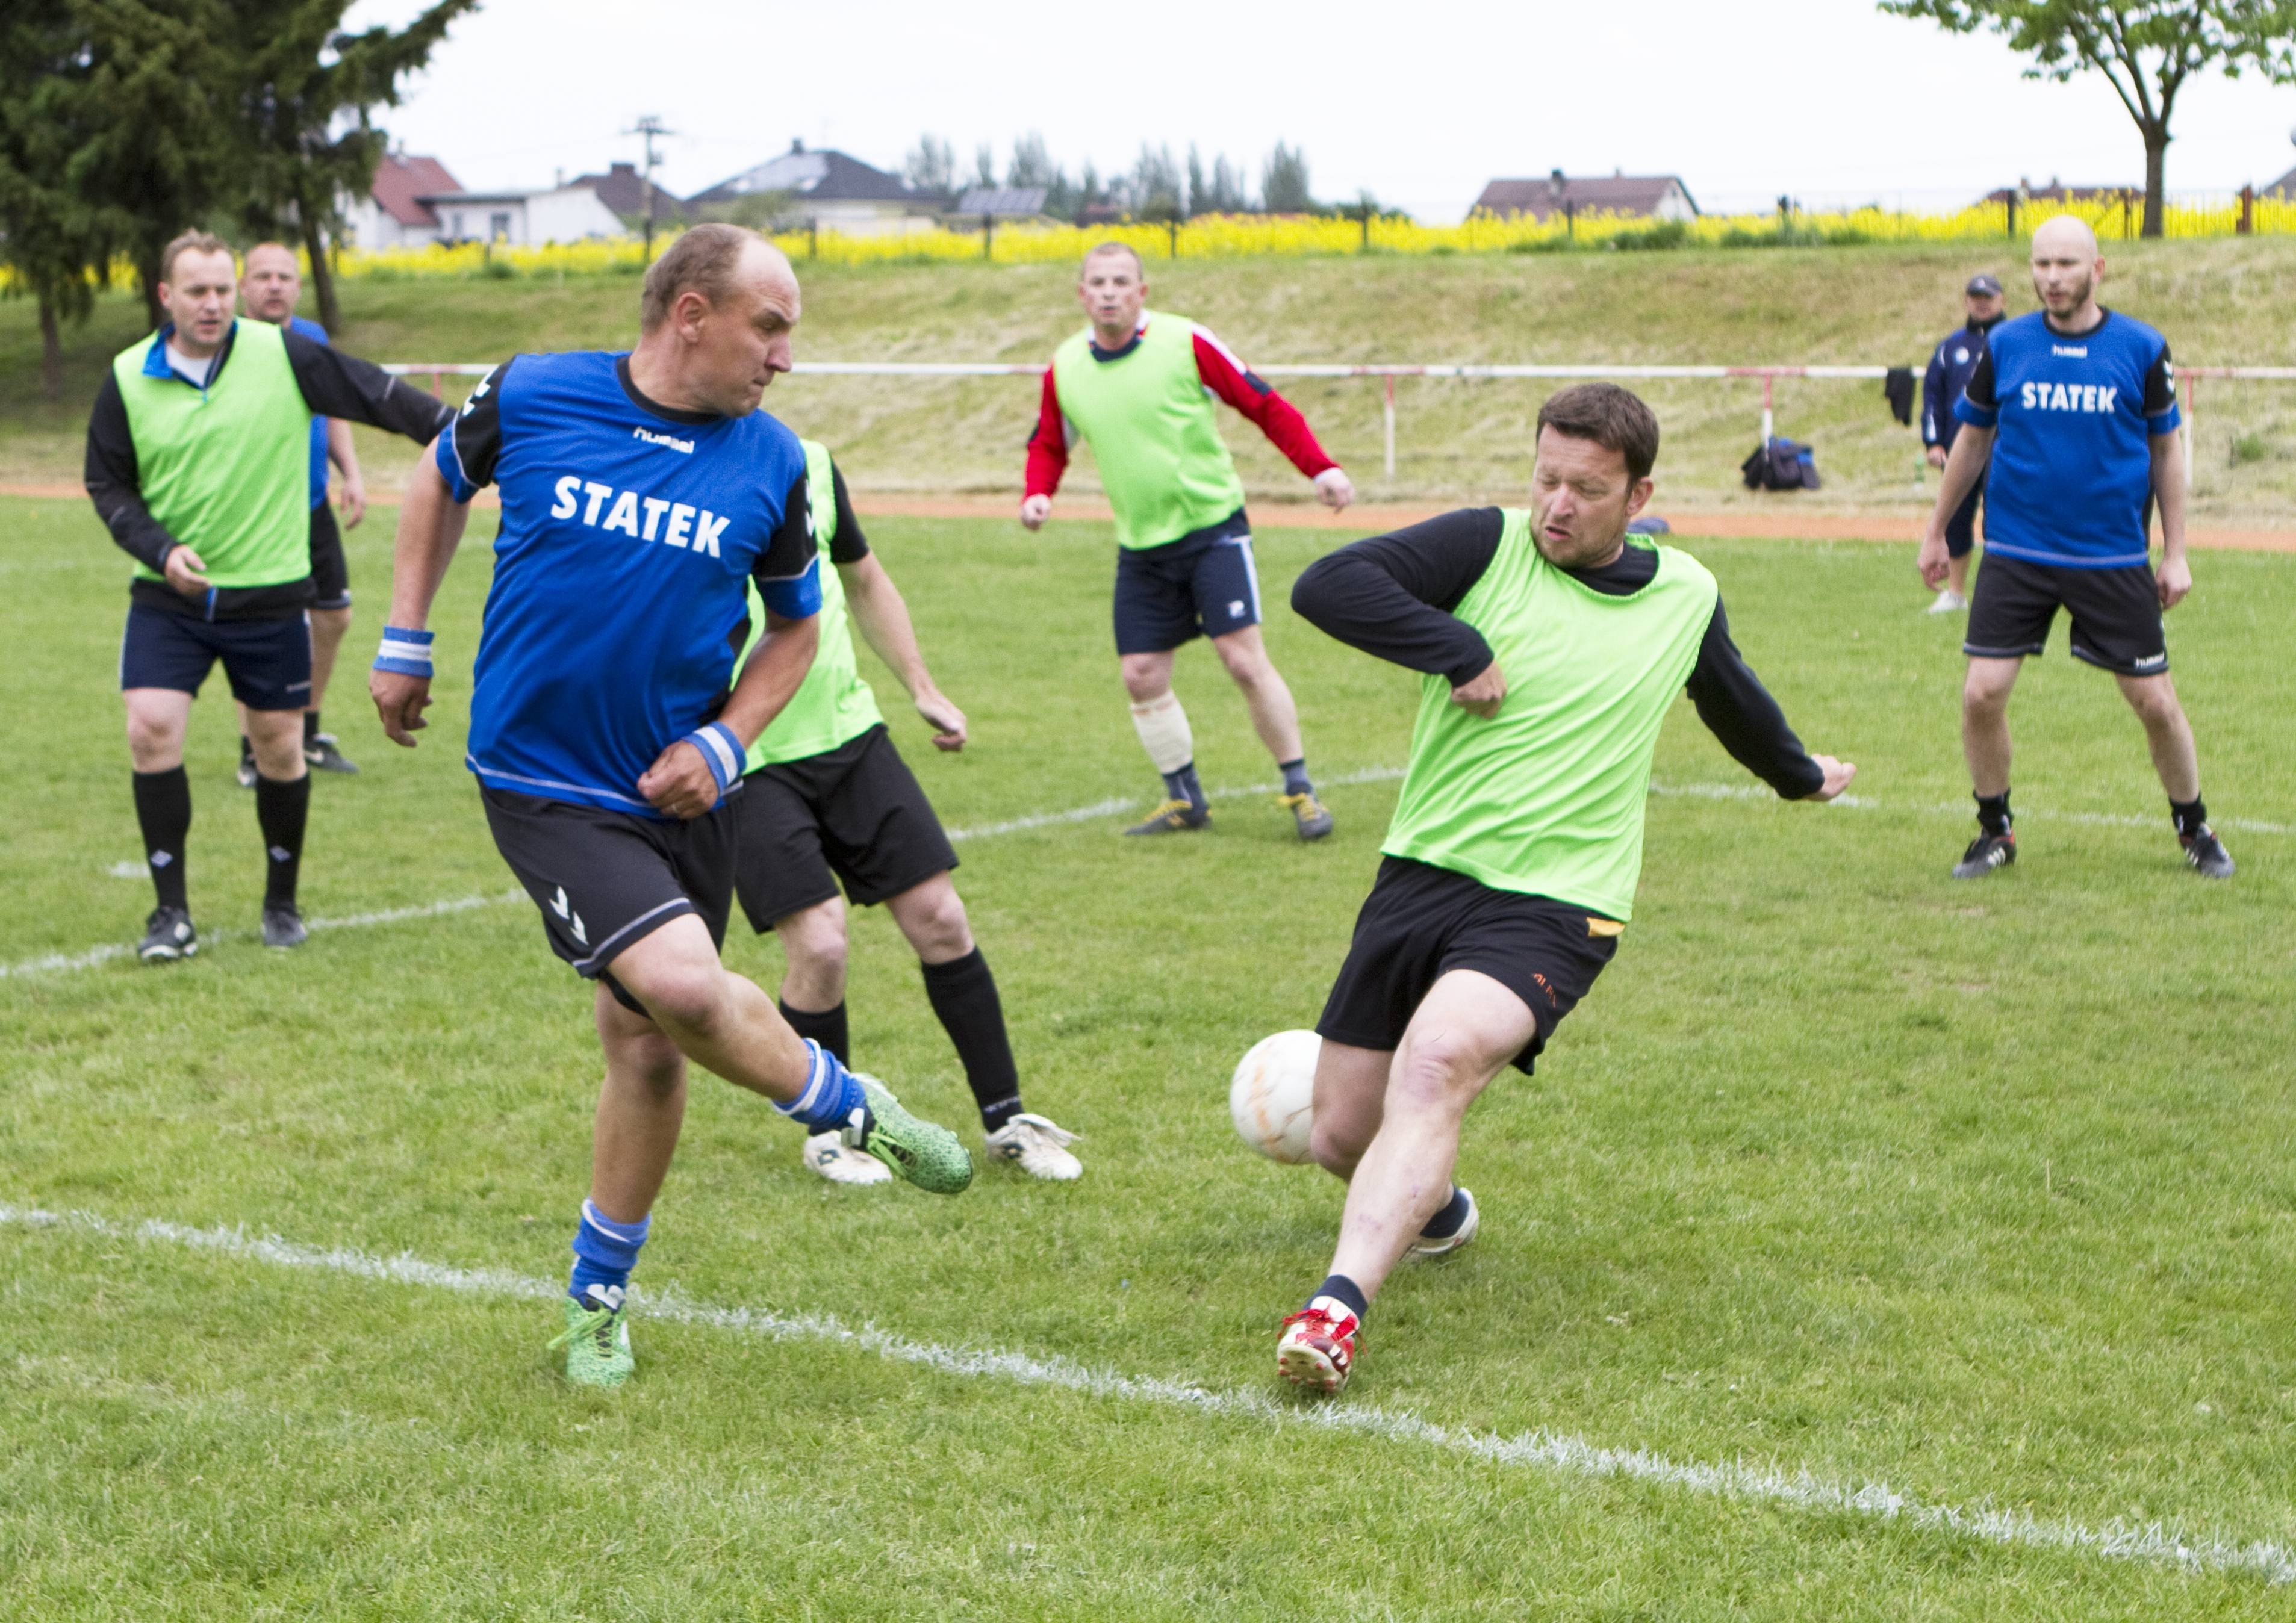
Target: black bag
{"points": [[1898, 389], [1780, 464]]}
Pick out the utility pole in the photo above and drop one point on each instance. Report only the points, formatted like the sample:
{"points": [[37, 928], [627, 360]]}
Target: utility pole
{"points": [[652, 128]]}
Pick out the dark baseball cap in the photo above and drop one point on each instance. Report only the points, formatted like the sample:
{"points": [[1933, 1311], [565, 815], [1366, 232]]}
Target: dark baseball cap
{"points": [[1984, 283]]}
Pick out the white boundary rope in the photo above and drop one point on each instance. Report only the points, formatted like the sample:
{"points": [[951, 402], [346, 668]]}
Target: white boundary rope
{"points": [[1556, 1453]]}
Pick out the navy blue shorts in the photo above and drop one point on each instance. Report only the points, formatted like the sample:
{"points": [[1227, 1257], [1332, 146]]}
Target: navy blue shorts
{"points": [[331, 574], [1961, 530], [267, 662], [1204, 584]]}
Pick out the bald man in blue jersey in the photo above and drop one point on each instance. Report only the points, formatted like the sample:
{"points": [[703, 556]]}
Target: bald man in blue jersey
{"points": [[2070, 418], [641, 494]]}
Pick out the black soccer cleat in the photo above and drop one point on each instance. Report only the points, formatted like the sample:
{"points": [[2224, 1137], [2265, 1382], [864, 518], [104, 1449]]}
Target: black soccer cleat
{"points": [[1987, 853], [283, 925], [246, 773], [2205, 854], [168, 936], [324, 754]]}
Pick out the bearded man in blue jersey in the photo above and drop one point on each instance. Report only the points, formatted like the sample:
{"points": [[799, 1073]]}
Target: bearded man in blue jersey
{"points": [[2071, 419], [642, 494]]}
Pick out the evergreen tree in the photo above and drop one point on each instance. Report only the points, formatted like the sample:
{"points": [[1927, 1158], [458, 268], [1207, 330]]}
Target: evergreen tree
{"points": [[1283, 182], [931, 165], [1197, 198]]}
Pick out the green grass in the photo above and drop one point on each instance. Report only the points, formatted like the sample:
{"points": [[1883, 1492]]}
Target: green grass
{"points": [[1980, 1191], [1873, 305]]}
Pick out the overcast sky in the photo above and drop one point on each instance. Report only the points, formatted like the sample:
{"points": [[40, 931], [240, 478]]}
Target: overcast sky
{"points": [[1825, 99]]}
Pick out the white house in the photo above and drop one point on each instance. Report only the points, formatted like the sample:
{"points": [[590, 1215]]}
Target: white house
{"points": [[415, 200], [831, 190]]}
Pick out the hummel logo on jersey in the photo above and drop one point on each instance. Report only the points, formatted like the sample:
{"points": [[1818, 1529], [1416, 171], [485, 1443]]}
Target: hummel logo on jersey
{"points": [[2078, 352], [695, 528], [2065, 397], [564, 909], [671, 440]]}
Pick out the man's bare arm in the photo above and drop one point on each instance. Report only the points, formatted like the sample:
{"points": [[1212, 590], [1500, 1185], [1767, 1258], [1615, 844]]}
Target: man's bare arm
{"points": [[1972, 449], [882, 614], [680, 780], [2174, 577], [430, 528]]}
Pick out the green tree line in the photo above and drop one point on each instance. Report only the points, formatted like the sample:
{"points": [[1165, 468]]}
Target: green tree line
{"points": [[123, 122]]}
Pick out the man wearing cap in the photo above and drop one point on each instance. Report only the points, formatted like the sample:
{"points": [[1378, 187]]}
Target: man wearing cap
{"points": [[1956, 358]]}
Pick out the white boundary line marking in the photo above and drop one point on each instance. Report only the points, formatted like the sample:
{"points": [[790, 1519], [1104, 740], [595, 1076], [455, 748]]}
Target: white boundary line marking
{"points": [[55, 963], [1557, 1452]]}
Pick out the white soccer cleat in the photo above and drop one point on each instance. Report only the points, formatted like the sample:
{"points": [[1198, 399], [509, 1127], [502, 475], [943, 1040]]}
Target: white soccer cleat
{"points": [[1947, 602], [1037, 1147], [828, 1154], [1428, 1245]]}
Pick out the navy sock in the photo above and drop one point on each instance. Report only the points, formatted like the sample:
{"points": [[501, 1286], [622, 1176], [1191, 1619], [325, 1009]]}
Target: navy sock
{"points": [[1446, 1223], [310, 728], [163, 811], [963, 993], [1341, 1288], [1182, 785], [1993, 812], [604, 1251], [828, 1027], [2190, 817], [1295, 776], [283, 811], [831, 1094]]}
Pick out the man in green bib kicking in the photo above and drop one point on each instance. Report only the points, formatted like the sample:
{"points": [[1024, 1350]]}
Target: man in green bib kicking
{"points": [[1552, 645], [826, 798], [1137, 386]]}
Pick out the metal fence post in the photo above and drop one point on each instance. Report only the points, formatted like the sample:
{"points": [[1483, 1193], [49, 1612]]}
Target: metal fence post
{"points": [[1389, 379]]}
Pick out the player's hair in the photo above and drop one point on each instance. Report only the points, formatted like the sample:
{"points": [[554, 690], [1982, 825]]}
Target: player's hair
{"points": [[1139, 265], [1614, 418], [255, 248], [701, 261], [192, 242]]}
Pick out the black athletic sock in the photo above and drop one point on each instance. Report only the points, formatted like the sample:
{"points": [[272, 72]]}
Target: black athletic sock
{"points": [[1183, 785], [1993, 813], [1341, 1288], [163, 811], [246, 750], [1295, 776], [963, 993], [2190, 817], [280, 811], [1446, 1223], [310, 728], [828, 1027]]}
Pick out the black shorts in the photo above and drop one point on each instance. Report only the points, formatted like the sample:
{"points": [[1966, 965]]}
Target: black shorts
{"points": [[1204, 584], [2116, 614], [604, 880], [331, 575], [1961, 530], [854, 814], [267, 662], [1421, 922]]}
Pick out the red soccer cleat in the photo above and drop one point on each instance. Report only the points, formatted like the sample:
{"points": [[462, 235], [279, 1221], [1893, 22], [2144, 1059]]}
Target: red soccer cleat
{"points": [[1318, 1347]]}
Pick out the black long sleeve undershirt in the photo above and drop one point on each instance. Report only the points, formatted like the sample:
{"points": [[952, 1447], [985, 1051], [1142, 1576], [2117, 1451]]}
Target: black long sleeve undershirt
{"points": [[1392, 596], [333, 384]]}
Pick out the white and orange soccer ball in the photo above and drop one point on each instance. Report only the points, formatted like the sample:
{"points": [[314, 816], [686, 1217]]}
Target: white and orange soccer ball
{"points": [[1272, 1097]]}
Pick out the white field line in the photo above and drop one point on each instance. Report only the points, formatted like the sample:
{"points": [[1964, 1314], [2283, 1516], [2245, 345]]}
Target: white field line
{"points": [[1557, 1452], [56, 964]]}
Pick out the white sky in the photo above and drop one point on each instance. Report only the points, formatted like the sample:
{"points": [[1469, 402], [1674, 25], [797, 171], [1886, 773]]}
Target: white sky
{"points": [[1826, 99]]}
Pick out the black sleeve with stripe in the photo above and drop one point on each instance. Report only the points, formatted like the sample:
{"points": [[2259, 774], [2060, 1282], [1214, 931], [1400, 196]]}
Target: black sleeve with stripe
{"points": [[115, 483], [786, 556], [336, 384], [848, 544], [1740, 712], [1392, 595]]}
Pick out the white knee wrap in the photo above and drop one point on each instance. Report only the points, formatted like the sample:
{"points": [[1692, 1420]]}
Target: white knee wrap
{"points": [[1164, 728]]}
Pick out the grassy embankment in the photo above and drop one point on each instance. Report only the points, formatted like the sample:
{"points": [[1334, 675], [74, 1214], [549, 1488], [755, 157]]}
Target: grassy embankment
{"points": [[2220, 302]]}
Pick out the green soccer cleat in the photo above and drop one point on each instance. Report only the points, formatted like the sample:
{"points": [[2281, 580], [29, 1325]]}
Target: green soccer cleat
{"points": [[929, 1156], [596, 1340]]}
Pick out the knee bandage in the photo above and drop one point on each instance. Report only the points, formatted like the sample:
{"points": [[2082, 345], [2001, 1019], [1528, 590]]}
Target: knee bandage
{"points": [[1164, 728]]}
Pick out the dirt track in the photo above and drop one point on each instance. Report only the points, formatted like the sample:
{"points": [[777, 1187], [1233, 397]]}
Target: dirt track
{"points": [[1795, 526]]}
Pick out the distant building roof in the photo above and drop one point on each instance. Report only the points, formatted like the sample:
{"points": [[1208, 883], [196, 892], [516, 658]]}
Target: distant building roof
{"points": [[826, 175], [623, 189], [401, 183], [2285, 188], [1607, 193], [1018, 201]]}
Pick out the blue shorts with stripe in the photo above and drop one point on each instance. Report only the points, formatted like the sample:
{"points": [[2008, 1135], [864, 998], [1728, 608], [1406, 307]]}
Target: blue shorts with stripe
{"points": [[267, 661], [1205, 584]]}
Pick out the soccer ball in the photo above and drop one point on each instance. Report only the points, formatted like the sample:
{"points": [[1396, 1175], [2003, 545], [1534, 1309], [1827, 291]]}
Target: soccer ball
{"points": [[1273, 1098]]}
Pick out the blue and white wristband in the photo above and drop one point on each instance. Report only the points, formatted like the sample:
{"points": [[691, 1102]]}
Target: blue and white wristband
{"points": [[405, 653], [722, 748]]}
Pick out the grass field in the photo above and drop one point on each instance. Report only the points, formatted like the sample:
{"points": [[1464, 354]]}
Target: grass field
{"points": [[1873, 305], [1844, 1176]]}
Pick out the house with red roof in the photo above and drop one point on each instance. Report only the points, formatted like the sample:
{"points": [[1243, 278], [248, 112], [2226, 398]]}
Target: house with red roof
{"points": [[415, 200]]}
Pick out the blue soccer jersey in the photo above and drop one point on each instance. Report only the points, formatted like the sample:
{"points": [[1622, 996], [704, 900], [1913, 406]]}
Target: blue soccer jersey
{"points": [[2075, 415], [630, 533], [317, 334]]}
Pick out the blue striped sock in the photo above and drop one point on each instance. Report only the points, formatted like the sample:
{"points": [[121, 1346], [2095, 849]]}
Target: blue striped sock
{"points": [[604, 1251], [831, 1097]]}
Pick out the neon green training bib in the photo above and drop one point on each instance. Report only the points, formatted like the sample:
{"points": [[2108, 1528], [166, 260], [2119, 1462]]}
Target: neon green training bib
{"points": [[1547, 797], [1152, 430], [833, 705]]}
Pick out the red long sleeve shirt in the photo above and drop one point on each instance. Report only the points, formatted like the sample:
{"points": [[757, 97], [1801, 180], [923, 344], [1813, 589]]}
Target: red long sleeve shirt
{"points": [[1223, 375]]}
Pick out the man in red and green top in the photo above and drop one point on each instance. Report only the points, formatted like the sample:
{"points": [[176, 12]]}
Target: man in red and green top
{"points": [[1137, 386], [1551, 645]]}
